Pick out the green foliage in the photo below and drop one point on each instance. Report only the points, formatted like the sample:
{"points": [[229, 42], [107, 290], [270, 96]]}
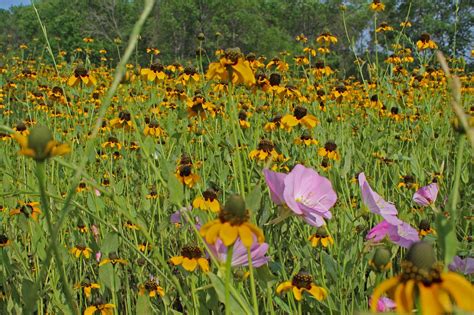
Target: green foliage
{"points": [[265, 27]]}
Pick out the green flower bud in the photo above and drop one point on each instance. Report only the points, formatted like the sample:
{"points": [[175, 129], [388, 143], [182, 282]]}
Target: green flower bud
{"points": [[381, 259], [38, 140]]}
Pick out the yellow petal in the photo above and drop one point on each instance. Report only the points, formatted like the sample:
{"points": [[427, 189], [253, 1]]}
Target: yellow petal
{"points": [[408, 296], [160, 291], [198, 203], [297, 293], [256, 231], [382, 288], [399, 299], [214, 206], [459, 289], [90, 310], [189, 264], [246, 236], [176, 260], [72, 81], [324, 241], [289, 120], [206, 227], [318, 292], [244, 72], [213, 232], [428, 300], [204, 264], [285, 286], [228, 234]]}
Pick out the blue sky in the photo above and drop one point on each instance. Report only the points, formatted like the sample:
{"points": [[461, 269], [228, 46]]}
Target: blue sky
{"points": [[5, 4]]}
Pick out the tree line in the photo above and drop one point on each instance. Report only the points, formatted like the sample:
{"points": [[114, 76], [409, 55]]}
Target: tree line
{"points": [[265, 27]]}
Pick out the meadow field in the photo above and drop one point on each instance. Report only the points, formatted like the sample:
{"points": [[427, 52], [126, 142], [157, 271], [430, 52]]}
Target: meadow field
{"points": [[236, 183]]}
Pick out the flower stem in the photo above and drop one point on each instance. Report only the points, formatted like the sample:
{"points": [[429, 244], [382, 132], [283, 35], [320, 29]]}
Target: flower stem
{"points": [[57, 257], [228, 273], [252, 283]]}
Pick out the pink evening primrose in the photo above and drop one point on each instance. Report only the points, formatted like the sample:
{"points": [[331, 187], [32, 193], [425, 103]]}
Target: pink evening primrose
{"points": [[401, 234], [239, 254], [308, 194], [426, 195], [376, 203]]}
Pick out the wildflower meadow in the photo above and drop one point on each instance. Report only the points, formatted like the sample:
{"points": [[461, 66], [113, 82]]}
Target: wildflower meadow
{"points": [[233, 182]]}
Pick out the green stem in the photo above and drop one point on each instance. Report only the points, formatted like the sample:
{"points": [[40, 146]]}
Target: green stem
{"points": [[45, 206], [457, 177], [252, 283], [228, 279]]}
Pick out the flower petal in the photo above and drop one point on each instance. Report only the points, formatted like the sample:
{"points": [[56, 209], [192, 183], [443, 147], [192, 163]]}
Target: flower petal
{"points": [[382, 288], [228, 234]]}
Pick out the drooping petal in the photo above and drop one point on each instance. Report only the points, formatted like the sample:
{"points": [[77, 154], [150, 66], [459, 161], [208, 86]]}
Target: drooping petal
{"points": [[276, 184], [428, 300], [459, 289], [228, 234], [285, 286], [426, 195], [297, 293], [203, 264], [176, 260], [319, 293], [189, 264], [381, 289], [376, 203], [211, 232], [246, 236], [90, 310]]}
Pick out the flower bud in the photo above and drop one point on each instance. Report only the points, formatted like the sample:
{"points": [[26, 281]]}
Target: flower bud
{"points": [[381, 259], [38, 141]]}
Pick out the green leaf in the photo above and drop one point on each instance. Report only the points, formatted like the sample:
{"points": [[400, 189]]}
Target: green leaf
{"points": [[347, 163], [253, 199], [175, 189], [110, 243], [29, 293], [235, 307], [143, 305], [109, 277], [264, 275], [282, 304], [447, 240]]}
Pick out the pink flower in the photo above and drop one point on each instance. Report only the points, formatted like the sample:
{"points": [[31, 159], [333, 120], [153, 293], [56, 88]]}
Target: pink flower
{"points": [[97, 192], [304, 191], [426, 195], [98, 255], [464, 266], [276, 184], [384, 304], [376, 203], [402, 234], [95, 231], [239, 254], [178, 218]]}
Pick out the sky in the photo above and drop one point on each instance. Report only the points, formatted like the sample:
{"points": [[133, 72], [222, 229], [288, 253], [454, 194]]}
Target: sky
{"points": [[5, 4]]}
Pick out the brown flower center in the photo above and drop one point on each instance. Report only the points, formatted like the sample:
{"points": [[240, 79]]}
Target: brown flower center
{"points": [[300, 112], [302, 280], [266, 145], [191, 252], [157, 67], [330, 146], [184, 170], [209, 194]]}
